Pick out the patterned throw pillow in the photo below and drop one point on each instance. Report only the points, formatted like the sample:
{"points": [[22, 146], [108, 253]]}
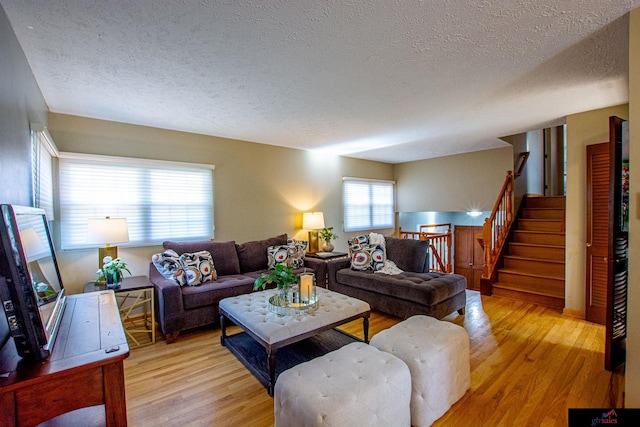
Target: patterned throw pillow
{"points": [[291, 254], [367, 257], [198, 267], [168, 264], [364, 255]]}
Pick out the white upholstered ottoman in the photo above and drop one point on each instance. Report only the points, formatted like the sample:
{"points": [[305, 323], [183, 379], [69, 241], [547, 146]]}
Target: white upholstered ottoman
{"points": [[356, 385], [437, 354]]}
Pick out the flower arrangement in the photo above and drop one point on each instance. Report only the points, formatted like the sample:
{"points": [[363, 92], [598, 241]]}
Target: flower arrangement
{"points": [[112, 269], [281, 275], [327, 235]]}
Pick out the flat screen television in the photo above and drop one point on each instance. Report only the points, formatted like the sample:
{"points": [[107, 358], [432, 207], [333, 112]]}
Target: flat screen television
{"points": [[31, 288]]}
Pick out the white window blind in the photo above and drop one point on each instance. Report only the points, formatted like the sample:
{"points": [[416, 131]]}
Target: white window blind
{"points": [[43, 152], [368, 204], [160, 200]]}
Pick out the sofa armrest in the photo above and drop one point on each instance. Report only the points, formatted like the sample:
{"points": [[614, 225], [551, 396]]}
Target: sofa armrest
{"points": [[169, 305], [333, 266], [320, 268]]}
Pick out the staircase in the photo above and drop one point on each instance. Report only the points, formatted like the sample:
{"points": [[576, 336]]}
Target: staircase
{"points": [[533, 268]]}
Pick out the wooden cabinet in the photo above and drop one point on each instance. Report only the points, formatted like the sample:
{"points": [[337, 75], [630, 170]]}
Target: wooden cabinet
{"points": [[468, 254]]}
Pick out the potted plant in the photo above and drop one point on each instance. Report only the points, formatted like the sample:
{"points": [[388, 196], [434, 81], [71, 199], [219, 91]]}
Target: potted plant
{"points": [[282, 277], [111, 272], [327, 235]]}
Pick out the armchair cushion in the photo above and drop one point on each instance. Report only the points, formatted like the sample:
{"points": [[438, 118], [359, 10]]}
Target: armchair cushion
{"points": [[408, 254]]}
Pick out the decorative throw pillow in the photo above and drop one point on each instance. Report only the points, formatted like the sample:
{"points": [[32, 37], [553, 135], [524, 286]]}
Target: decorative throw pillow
{"points": [[291, 254], [367, 257], [198, 267], [168, 264]]}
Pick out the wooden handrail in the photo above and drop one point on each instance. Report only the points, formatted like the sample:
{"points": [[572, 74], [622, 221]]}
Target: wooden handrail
{"points": [[439, 246], [522, 158], [496, 227]]}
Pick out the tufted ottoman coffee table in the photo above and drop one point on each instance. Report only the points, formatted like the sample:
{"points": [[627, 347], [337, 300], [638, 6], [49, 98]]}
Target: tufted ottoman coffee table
{"points": [[437, 354], [273, 332], [357, 385]]}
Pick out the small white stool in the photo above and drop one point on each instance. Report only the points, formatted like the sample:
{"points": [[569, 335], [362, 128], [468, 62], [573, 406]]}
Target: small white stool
{"points": [[356, 385], [437, 354]]}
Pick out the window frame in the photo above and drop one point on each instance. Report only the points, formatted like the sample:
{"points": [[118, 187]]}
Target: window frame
{"points": [[139, 212], [371, 224]]}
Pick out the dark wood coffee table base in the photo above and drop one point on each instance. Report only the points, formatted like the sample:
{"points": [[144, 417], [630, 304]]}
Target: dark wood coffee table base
{"points": [[254, 356]]}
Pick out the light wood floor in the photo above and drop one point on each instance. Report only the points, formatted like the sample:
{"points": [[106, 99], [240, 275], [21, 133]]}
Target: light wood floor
{"points": [[528, 365]]}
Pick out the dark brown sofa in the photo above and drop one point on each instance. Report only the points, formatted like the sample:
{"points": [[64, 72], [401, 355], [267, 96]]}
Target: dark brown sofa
{"points": [[414, 291], [237, 266]]}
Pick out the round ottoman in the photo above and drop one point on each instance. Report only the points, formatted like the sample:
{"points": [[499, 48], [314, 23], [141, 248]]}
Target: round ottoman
{"points": [[437, 354], [356, 385]]}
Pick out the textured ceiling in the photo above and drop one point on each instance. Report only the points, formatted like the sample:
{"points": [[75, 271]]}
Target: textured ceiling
{"points": [[385, 80]]}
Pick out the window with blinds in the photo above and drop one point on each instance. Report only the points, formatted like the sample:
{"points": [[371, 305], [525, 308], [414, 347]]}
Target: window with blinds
{"points": [[43, 152], [368, 204], [160, 200]]}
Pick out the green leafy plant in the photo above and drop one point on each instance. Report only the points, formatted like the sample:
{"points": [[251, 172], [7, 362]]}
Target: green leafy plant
{"points": [[112, 268], [281, 275], [327, 235]]}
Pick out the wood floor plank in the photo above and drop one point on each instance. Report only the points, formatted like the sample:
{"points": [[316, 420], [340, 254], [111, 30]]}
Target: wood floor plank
{"points": [[529, 364]]}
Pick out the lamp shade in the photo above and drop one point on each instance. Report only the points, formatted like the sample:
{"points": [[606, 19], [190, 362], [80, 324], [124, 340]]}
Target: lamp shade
{"points": [[107, 230], [312, 220]]}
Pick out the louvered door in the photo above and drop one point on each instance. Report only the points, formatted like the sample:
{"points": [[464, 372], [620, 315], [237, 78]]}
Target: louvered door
{"points": [[599, 202], [607, 244]]}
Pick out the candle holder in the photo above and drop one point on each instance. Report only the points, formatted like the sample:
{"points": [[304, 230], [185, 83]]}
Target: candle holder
{"points": [[301, 298]]}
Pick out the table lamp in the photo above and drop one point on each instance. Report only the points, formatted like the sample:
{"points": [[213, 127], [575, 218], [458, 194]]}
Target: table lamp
{"points": [[105, 231], [313, 221]]}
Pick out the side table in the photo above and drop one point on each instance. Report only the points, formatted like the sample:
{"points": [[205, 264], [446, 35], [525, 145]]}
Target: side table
{"points": [[136, 294], [326, 257]]}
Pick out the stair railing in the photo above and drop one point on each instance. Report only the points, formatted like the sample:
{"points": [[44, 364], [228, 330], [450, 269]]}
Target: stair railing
{"points": [[439, 246], [496, 227]]}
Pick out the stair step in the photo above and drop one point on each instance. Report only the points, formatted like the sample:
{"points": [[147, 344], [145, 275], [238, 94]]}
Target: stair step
{"points": [[506, 290], [538, 237], [541, 225], [543, 213], [537, 251], [547, 267], [546, 202], [530, 280]]}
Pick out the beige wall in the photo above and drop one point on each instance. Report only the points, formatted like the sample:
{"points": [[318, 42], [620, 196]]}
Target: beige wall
{"points": [[453, 183], [632, 384], [591, 127], [260, 190]]}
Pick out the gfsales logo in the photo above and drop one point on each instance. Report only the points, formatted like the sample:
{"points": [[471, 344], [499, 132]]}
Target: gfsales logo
{"points": [[607, 418]]}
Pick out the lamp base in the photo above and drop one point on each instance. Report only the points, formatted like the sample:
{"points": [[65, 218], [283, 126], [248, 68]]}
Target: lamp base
{"points": [[314, 242], [105, 251]]}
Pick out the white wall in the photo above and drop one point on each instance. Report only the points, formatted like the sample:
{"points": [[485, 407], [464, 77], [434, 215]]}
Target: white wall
{"points": [[591, 127], [457, 183]]}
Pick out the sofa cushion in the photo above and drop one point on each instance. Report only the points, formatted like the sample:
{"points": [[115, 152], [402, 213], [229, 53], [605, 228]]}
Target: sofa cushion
{"points": [[291, 254], [367, 257], [168, 264], [422, 288], [224, 254], [408, 254], [209, 293], [198, 267], [252, 255]]}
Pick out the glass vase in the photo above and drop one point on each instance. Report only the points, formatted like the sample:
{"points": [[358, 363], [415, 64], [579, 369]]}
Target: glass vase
{"points": [[114, 280]]}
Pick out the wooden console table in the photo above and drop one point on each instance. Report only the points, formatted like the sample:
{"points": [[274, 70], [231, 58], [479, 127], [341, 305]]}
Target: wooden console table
{"points": [[83, 378]]}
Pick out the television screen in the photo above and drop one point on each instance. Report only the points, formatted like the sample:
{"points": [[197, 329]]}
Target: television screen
{"points": [[30, 282]]}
